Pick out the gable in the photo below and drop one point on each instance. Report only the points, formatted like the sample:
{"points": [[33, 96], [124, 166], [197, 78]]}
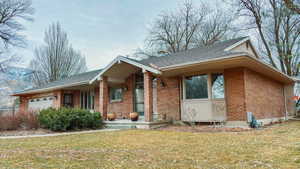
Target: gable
{"points": [[245, 47]]}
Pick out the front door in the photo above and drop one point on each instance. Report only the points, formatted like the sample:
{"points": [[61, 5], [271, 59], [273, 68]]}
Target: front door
{"points": [[139, 94], [68, 100]]}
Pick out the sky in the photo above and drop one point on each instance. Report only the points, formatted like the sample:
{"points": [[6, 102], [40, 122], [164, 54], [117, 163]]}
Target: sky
{"points": [[100, 29]]}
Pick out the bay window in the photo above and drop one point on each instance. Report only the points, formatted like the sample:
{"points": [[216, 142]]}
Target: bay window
{"points": [[206, 86], [196, 87]]}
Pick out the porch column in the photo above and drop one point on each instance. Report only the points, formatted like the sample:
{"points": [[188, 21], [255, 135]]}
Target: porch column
{"points": [[148, 96], [103, 97]]}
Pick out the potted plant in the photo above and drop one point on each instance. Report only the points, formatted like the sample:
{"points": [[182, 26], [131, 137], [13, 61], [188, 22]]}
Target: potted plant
{"points": [[111, 116], [134, 116]]}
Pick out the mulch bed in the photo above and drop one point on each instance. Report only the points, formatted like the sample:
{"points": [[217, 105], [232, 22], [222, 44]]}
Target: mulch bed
{"points": [[203, 128], [22, 132]]}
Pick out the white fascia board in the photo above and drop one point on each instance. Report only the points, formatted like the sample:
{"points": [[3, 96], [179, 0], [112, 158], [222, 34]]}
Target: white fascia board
{"points": [[52, 88], [123, 59], [223, 58]]}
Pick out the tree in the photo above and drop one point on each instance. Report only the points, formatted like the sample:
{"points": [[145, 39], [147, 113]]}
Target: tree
{"points": [[293, 5], [187, 28], [12, 12], [278, 29], [57, 59]]}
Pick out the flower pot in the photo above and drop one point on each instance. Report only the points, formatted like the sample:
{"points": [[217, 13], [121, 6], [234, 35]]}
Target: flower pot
{"points": [[111, 116], [134, 116]]}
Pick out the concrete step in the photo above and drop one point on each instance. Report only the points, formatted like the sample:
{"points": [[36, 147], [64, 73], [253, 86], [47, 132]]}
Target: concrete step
{"points": [[119, 126]]}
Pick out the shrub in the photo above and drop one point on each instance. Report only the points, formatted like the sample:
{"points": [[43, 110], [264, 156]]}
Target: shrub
{"points": [[64, 119], [9, 122], [24, 120], [28, 120]]}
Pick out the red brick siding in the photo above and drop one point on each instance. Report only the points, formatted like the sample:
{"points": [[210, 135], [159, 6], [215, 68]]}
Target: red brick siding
{"points": [[248, 91], [235, 94], [168, 98], [76, 98], [124, 107], [264, 96], [96, 102]]}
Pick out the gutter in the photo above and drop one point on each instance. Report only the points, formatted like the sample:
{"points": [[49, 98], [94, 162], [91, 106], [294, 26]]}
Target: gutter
{"points": [[50, 88], [233, 56]]}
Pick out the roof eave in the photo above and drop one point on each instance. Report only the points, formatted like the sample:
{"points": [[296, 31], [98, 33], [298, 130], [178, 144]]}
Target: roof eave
{"points": [[177, 66], [50, 88]]}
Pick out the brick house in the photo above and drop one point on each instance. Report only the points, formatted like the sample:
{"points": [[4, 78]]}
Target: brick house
{"points": [[221, 82]]}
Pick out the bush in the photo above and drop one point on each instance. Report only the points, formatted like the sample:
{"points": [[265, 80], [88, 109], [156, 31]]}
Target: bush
{"points": [[9, 122], [64, 119], [24, 120]]}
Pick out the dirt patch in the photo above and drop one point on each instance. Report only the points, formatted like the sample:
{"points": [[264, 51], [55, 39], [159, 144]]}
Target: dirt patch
{"points": [[25, 132], [203, 128]]}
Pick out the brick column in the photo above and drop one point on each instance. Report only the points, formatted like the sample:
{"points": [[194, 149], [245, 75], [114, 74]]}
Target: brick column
{"points": [[148, 96], [103, 97], [23, 104], [59, 99]]}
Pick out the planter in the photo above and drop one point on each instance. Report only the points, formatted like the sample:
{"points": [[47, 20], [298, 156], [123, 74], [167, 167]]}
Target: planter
{"points": [[134, 116], [111, 116]]}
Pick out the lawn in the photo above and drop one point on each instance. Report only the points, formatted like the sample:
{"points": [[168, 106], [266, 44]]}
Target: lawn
{"points": [[275, 147]]}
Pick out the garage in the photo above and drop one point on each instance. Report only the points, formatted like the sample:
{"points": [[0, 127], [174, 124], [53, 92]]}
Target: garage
{"points": [[40, 103]]}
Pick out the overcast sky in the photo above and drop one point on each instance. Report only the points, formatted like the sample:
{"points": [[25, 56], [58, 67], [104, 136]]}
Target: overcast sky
{"points": [[100, 29]]}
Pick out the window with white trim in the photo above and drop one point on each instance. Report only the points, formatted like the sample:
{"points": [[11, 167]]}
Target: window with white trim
{"points": [[116, 94]]}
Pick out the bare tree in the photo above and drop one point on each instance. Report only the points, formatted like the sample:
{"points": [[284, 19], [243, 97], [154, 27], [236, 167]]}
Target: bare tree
{"points": [[57, 59], [278, 29], [293, 5], [12, 12], [186, 28]]}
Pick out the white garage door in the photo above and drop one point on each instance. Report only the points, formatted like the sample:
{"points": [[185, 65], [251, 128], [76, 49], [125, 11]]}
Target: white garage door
{"points": [[40, 103]]}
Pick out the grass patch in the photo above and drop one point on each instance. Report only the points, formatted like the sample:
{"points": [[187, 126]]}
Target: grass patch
{"points": [[274, 147]]}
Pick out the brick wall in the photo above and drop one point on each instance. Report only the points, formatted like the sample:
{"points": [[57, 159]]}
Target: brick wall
{"points": [[168, 98], [124, 107], [248, 91], [264, 96], [235, 94]]}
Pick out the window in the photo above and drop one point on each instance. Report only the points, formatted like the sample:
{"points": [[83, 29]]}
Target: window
{"points": [[196, 87], [87, 100], [115, 94], [217, 85]]}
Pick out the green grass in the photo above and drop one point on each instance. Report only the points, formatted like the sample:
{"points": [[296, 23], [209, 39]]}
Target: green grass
{"points": [[275, 147]]}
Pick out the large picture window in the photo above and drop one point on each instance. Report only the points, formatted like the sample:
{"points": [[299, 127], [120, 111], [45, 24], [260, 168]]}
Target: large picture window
{"points": [[196, 87], [217, 81], [87, 99], [116, 94]]}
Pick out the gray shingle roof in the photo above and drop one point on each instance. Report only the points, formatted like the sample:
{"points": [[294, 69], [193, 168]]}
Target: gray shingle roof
{"points": [[78, 78], [193, 55]]}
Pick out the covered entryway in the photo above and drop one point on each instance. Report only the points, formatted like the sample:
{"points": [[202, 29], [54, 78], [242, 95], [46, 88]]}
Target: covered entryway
{"points": [[126, 86]]}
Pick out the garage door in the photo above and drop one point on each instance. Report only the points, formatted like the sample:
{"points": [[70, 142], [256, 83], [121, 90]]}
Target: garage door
{"points": [[40, 103]]}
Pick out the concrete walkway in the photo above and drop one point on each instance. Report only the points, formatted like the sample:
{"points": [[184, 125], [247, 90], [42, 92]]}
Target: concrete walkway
{"points": [[58, 134]]}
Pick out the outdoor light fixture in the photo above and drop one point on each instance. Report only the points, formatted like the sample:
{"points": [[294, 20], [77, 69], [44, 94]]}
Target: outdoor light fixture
{"points": [[125, 88]]}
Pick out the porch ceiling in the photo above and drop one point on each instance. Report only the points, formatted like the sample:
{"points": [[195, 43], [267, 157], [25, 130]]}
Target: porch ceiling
{"points": [[120, 71]]}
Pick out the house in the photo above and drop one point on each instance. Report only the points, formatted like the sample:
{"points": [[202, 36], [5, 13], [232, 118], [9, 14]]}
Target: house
{"points": [[227, 81]]}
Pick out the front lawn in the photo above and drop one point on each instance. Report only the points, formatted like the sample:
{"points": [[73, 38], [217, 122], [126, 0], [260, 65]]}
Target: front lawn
{"points": [[274, 147]]}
